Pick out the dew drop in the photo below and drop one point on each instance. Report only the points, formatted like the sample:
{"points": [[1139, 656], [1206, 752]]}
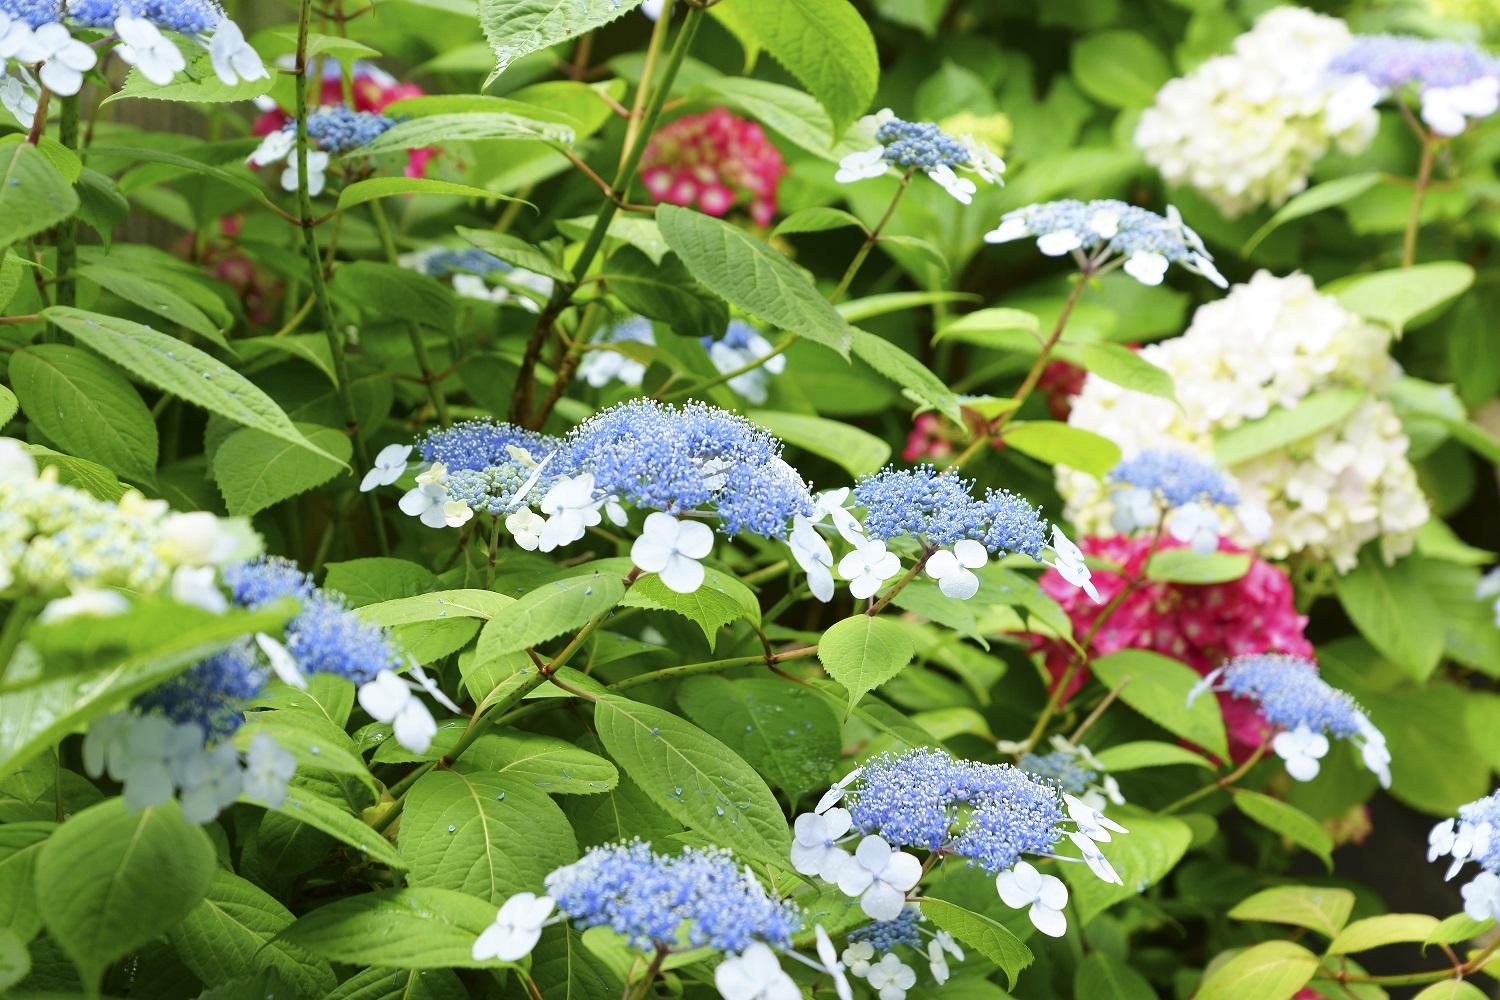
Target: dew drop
{"points": [[451, 828]]}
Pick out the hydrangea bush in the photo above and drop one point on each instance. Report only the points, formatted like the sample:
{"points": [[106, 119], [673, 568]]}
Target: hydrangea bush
{"points": [[760, 499]]}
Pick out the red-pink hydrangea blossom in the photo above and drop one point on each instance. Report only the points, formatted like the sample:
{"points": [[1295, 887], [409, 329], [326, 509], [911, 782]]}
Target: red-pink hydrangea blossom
{"points": [[1201, 625], [715, 161]]}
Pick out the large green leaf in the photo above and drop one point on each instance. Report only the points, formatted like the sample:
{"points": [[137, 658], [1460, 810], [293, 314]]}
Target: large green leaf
{"points": [[1379, 931], [709, 607], [20, 845], [109, 881], [516, 28], [863, 651], [1324, 909], [785, 731], [1289, 821], [1283, 426], [1393, 608], [1275, 970], [856, 451], [665, 291], [1158, 688], [1401, 297], [825, 44], [695, 778], [488, 835], [87, 407], [419, 133], [1125, 368], [423, 928], [231, 934], [1187, 566], [385, 187], [547, 612], [907, 372], [1315, 199], [1122, 69], [1102, 976], [33, 195], [255, 470], [552, 764], [564, 969], [1142, 857], [1057, 443], [982, 934], [307, 807], [181, 369], [752, 275], [380, 983], [158, 298]]}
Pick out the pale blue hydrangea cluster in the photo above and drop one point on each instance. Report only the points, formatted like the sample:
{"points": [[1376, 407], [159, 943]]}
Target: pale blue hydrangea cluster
{"points": [[990, 814], [693, 457], [1476, 837], [1394, 61], [922, 503], [1292, 695], [187, 17], [326, 636], [35, 13], [1175, 478], [1062, 768], [213, 692], [650, 899], [888, 935], [440, 262], [919, 144], [482, 472], [1485, 814], [337, 129]]}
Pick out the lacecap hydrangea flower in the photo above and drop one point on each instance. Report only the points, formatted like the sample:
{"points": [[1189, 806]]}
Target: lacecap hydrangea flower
{"points": [[1453, 82], [912, 146], [1108, 231], [1272, 342], [716, 161], [1181, 491], [1476, 838], [1304, 709], [1245, 129], [472, 270], [335, 130]]}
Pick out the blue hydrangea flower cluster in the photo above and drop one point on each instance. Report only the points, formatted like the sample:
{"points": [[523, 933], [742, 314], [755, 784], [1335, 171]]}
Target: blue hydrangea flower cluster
{"points": [[326, 637], [1061, 768], [483, 444], [887, 935], [988, 813], [1292, 695], [1393, 61], [1484, 814], [187, 17], [1175, 477], [920, 144], [337, 129], [693, 457], [442, 262], [34, 12], [921, 503], [212, 692], [647, 898]]}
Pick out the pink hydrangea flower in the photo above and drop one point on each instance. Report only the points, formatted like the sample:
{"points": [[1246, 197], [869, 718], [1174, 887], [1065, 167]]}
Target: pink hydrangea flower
{"points": [[715, 161], [1200, 625]]}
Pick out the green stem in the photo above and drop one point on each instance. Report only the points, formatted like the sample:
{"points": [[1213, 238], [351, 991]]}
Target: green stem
{"points": [[687, 670], [67, 230], [1419, 190], [319, 287], [871, 239], [1221, 784], [639, 990], [418, 345], [911, 575], [520, 411]]}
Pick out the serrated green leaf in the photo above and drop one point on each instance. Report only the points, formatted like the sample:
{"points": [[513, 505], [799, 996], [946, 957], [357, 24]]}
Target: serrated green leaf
{"points": [[87, 407], [33, 195], [564, 969], [8, 405], [1275, 970], [547, 612], [553, 765], [255, 470], [698, 780], [995, 328], [1459, 927], [422, 928], [1283, 426], [385, 187], [307, 807], [1289, 821], [1324, 909], [1102, 976], [156, 298], [665, 291], [817, 219], [709, 607], [1158, 688], [1187, 566], [519, 253], [433, 130], [748, 273], [862, 652], [515, 28], [907, 372], [982, 934], [20, 845], [1452, 989], [1120, 69], [1314, 199], [1393, 608], [405, 984], [784, 731]]}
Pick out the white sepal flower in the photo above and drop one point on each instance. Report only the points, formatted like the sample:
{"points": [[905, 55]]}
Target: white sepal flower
{"points": [[830, 504], [953, 569], [959, 187], [1482, 896], [868, 567], [1094, 858], [143, 46], [829, 956], [272, 149], [1448, 109], [390, 465], [157, 752], [104, 748], [1197, 525], [836, 792], [671, 549], [20, 100], [456, 513], [1135, 507], [430, 685], [426, 499], [946, 942], [572, 509], [212, 783], [283, 664], [232, 57], [1069, 564], [198, 587], [64, 58], [196, 538], [755, 974], [1008, 231], [85, 602], [937, 962], [814, 556], [525, 525], [1302, 749], [317, 163], [390, 699], [880, 877], [814, 850], [861, 166], [1058, 243], [268, 769], [1091, 822], [516, 930], [891, 977], [857, 958], [1147, 268], [1046, 896]]}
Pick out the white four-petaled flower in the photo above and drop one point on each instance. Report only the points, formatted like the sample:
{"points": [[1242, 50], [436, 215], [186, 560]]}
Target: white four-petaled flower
{"points": [[390, 465], [571, 509], [143, 46], [814, 849], [64, 58], [232, 57], [953, 569], [814, 556], [268, 768], [1302, 750], [1046, 896], [317, 163], [516, 930], [671, 549], [755, 974], [880, 877], [891, 977], [388, 698], [868, 567], [1070, 565]]}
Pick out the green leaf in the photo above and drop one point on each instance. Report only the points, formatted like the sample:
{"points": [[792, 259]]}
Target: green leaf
{"points": [[1142, 857], [1452, 989], [255, 470], [231, 934], [907, 372], [341, 48], [1120, 69], [100, 205], [1377, 932], [20, 845], [87, 407], [1187, 566], [386, 187], [753, 276], [1408, 296], [1393, 608], [432, 626], [405, 984], [1289, 821], [1314, 199], [553, 765], [564, 969], [817, 219], [515, 28], [15, 962], [859, 310], [854, 450], [784, 731], [8, 405], [698, 780], [306, 807], [315, 741], [1275, 970], [547, 612], [993, 328], [643, 234], [916, 252], [665, 291], [487, 835], [1058, 443], [155, 297], [33, 195], [109, 881], [423, 928], [1158, 688], [982, 934], [708, 606], [1283, 426], [1323, 909], [1125, 368], [180, 369], [862, 652], [1459, 927], [383, 292], [519, 253], [1102, 976], [1147, 753], [373, 580], [825, 44], [419, 133], [199, 84]]}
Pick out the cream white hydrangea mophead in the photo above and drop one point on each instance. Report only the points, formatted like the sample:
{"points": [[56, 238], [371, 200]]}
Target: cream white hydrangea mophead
{"points": [[1245, 129], [1272, 343]]}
